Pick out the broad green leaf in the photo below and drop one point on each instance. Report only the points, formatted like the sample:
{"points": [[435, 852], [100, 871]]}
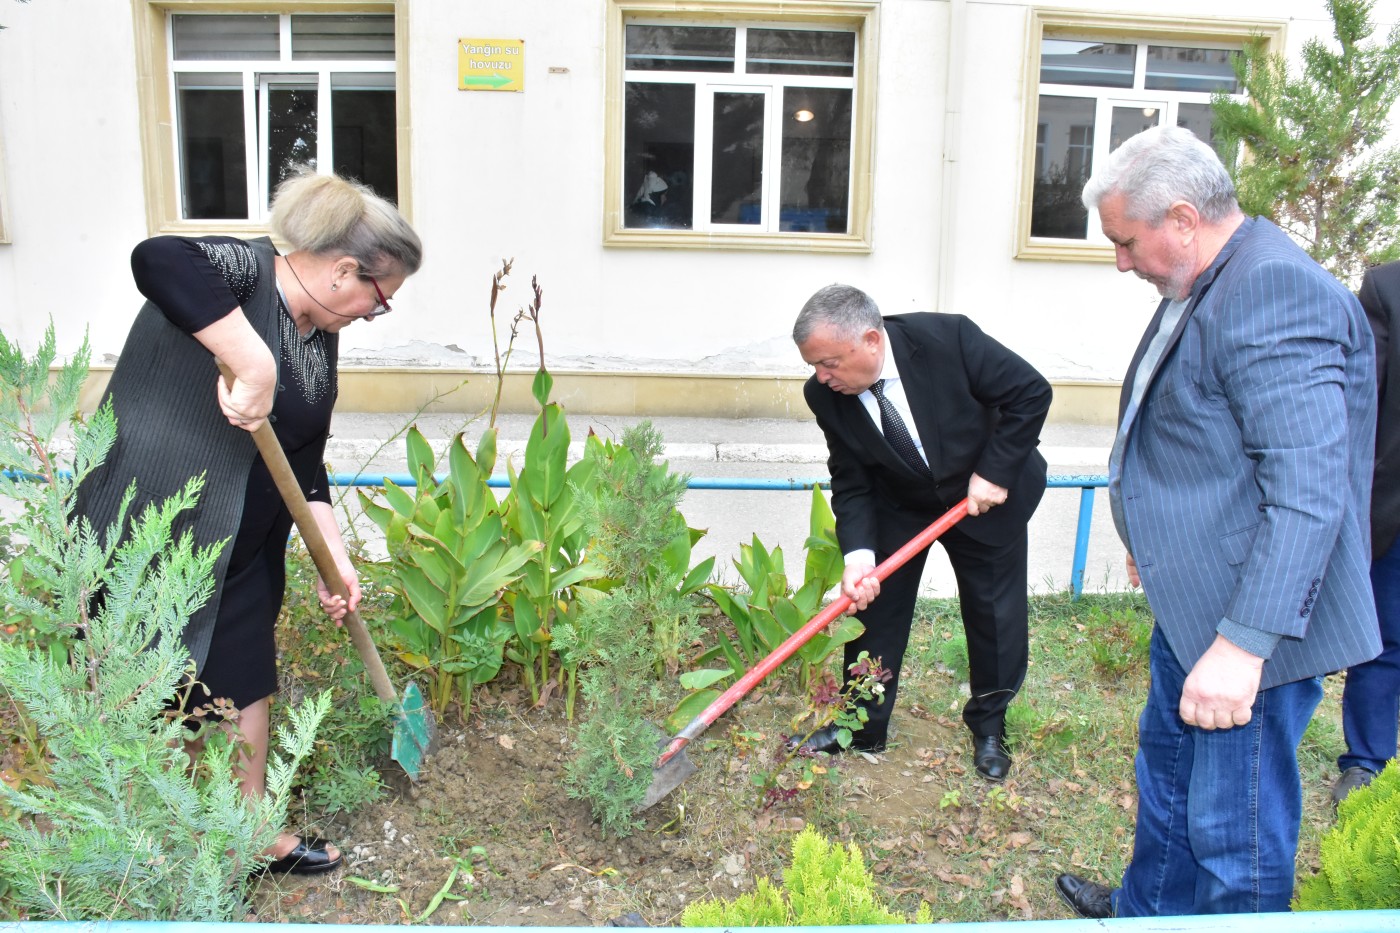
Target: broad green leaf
{"points": [[698, 680], [374, 511], [574, 575], [398, 498], [526, 616], [420, 455], [426, 599], [542, 385], [689, 708], [767, 628], [486, 452], [698, 576], [546, 454]]}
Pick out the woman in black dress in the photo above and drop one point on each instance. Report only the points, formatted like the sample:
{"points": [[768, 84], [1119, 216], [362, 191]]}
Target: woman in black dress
{"points": [[273, 321]]}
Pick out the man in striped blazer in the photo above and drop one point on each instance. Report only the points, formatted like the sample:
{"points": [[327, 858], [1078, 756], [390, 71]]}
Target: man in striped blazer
{"points": [[1240, 482]]}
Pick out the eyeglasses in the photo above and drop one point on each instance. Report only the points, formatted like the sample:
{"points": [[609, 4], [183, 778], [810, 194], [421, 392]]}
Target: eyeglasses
{"points": [[382, 308]]}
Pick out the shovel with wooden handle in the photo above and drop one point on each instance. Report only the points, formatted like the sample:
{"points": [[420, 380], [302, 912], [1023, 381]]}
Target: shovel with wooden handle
{"points": [[674, 765], [415, 729]]}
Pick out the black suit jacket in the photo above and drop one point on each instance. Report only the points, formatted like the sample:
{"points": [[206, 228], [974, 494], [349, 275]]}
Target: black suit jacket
{"points": [[1380, 296], [978, 408]]}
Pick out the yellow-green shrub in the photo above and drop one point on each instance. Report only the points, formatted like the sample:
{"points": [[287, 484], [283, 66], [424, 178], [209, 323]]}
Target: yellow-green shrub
{"points": [[826, 885], [1361, 854]]}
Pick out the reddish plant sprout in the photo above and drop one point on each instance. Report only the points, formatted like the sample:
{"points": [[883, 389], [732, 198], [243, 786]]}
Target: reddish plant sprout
{"points": [[826, 691]]}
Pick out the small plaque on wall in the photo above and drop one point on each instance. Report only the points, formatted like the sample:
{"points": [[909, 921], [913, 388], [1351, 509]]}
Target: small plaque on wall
{"points": [[491, 64]]}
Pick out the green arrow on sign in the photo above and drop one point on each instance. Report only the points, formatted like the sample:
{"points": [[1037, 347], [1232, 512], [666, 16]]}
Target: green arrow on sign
{"points": [[494, 81]]}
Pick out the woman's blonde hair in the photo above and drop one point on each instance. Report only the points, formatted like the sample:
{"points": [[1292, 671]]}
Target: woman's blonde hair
{"points": [[329, 215]]}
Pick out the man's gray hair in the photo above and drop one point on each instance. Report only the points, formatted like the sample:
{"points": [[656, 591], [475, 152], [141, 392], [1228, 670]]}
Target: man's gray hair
{"points": [[847, 309], [1160, 166]]}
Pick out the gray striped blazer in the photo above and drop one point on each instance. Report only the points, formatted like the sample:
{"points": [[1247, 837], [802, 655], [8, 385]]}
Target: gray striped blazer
{"points": [[1246, 472]]}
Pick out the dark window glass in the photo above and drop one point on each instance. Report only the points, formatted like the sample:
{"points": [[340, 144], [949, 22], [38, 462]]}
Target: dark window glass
{"points": [[816, 166], [1091, 64], [1127, 122], [736, 185], [291, 131], [1200, 119], [659, 155], [1064, 163], [680, 48], [1175, 68], [801, 52], [213, 161], [363, 134]]}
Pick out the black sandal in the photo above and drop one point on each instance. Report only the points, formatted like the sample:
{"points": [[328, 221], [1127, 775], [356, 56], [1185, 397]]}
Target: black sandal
{"points": [[310, 857]]}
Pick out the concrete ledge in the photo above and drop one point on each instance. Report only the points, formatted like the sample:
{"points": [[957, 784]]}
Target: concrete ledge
{"points": [[652, 395]]}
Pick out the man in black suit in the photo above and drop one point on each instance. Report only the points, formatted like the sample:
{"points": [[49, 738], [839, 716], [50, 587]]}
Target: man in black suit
{"points": [[920, 410], [1371, 698]]}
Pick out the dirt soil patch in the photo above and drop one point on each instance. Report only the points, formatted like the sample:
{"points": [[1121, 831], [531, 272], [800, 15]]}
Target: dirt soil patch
{"points": [[498, 784]]}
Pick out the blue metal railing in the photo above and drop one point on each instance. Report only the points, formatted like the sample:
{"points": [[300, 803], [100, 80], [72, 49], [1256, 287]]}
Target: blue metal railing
{"points": [[1085, 483]]}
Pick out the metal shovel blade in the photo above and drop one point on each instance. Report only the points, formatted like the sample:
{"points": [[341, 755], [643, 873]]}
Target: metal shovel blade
{"points": [[415, 732], [666, 777]]}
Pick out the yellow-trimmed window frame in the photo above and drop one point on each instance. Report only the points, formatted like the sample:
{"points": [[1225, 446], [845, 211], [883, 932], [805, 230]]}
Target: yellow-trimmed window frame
{"points": [[861, 16], [157, 109], [1113, 27]]}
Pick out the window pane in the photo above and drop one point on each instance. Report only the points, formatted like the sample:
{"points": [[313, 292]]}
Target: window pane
{"points": [[1093, 64], [816, 169], [232, 37], [680, 48], [1064, 161], [291, 131], [1172, 68], [1127, 122], [1200, 119], [343, 36], [363, 131], [213, 164], [736, 186], [659, 155], [801, 52]]}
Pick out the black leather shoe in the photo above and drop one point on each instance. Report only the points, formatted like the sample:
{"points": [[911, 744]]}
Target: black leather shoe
{"points": [[1088, 899], [824, 740], [310, 857], [990, 757]]}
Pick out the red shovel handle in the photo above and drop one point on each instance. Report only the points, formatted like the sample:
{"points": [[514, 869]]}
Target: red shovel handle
{"points": [[803, 635]]}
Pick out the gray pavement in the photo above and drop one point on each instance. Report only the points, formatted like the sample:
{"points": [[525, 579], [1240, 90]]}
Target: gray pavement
{"points": [[766, 449]]}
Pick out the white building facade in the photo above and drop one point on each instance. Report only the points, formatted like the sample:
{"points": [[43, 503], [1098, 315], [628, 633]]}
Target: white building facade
{"points": [[678, 175]]}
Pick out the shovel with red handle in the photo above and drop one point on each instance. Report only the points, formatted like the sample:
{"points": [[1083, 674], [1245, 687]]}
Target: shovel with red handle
{"points": [[674, 765]]}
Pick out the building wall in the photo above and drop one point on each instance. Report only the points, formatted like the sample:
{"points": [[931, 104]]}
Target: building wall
{"points": [[500, 175]]}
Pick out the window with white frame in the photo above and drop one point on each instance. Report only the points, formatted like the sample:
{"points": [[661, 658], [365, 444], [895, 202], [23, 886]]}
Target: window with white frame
{"points": [[256, 94], [749, 131], [1095, 88]]}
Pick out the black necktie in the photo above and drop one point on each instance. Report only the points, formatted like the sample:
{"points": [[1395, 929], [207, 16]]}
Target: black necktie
{"points": [[896, 432]]}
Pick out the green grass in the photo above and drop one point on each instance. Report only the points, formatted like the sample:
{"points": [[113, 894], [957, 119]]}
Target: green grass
{"points": [[1074, 734]]}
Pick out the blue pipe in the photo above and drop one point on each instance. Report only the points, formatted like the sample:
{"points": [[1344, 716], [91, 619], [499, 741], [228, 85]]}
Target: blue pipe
{"points": [[1338, 921]]}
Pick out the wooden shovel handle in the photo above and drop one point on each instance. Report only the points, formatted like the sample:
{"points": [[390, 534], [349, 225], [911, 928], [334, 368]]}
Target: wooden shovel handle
{"points": [[315, 541]]}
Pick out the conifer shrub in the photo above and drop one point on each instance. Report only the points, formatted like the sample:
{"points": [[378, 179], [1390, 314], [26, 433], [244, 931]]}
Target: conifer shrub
{"points": [[632, 626], [826, 885], [1361, 853], [122, 826]]}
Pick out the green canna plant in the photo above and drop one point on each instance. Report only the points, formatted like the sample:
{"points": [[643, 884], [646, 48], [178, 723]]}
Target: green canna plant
{"points": [[452, 559]]}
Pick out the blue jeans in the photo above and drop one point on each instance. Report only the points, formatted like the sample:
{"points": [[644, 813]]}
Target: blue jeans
{"points": [[1218, 811], [1371, 698]]}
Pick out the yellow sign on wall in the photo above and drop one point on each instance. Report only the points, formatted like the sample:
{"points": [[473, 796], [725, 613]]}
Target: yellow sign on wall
{"points": [[491, 64]]}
